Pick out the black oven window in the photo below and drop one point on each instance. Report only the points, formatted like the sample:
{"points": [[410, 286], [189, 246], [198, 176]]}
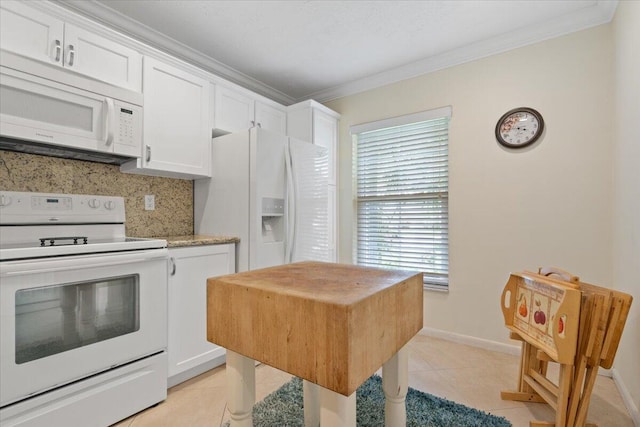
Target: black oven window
{"points": [[54, 319]]}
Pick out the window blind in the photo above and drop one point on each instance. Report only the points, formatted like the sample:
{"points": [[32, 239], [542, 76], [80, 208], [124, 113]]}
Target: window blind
{"points": [[402, 180]]}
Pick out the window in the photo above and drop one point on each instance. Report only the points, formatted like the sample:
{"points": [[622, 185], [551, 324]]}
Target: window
{"points": [[402, 180]]}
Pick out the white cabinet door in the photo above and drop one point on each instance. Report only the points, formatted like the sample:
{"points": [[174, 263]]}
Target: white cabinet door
{"points": [[236, 111], [233, 110], [189, 269], [315, 123], [31, 33], [271, 118], [176, 129], [325, 134], [102, 59]]}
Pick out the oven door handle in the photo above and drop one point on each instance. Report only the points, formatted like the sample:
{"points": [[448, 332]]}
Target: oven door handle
{"points": [[14, 268]]}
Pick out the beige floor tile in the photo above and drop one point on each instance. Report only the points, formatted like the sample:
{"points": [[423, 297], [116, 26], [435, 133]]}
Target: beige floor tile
{"points": [[213, 378], [523, 413], [417, 361], [433, 382], [201, 407], [479, 387], [607, 407]]}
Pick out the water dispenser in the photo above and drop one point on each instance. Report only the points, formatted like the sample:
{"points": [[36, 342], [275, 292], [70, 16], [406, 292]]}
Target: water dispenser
{"points": [[272, 220]]}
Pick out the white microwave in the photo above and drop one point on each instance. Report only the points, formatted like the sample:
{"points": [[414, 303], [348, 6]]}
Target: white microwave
{"points": [[50, 114]]}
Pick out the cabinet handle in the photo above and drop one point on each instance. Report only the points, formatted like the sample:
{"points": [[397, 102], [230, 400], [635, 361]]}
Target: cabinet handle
{"points": [[58, 51], [148, 151], [72, 54], [172, 260], [253, 123], [259, 125]]}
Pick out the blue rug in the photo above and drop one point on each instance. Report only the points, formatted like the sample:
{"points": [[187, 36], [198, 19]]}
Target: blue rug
{"points": [[284, 407]]}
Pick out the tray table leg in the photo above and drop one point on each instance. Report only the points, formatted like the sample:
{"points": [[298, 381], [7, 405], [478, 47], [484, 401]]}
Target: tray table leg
{"points": [[395, 381], [241, 379], [564, 392]]}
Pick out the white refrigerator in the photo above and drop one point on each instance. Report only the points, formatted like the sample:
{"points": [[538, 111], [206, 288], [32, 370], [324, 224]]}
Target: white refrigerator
{"points": [[271, 192]]}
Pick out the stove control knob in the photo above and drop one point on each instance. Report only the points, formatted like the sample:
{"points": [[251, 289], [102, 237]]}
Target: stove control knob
{"points": [[94, 203], [110, 205], [5, 200]]}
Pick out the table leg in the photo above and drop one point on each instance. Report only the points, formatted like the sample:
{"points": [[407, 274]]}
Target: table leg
{"points": [[337, 410], [311, 403], [241, 379], [395, 385]]}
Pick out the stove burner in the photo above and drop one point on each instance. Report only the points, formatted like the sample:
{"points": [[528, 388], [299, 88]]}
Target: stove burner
{"points": [[52, 240]]}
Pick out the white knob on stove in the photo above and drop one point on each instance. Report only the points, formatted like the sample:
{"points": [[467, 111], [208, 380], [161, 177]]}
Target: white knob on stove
{"points": [[110, 204], [5, 200], [94, 203]]}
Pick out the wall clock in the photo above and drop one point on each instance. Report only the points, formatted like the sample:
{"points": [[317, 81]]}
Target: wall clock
{"points": [[519, 127]]}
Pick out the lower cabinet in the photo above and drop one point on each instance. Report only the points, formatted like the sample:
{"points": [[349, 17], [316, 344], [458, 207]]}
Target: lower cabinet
{"points": [[189, 352]]}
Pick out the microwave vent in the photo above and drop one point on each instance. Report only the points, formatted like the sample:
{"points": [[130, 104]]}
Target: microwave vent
{"points": [[30, 147]]}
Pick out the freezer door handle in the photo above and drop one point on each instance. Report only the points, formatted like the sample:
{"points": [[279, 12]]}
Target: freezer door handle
{"points": [[291, 206]]}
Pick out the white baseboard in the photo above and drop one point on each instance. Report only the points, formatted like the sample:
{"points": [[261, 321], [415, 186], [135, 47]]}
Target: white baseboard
{"points": [[626, 397], [485, 344], [472, 341]]}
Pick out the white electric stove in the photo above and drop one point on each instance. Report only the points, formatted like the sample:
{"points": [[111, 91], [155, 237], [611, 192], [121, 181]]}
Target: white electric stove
{"points": [[83, 312]]}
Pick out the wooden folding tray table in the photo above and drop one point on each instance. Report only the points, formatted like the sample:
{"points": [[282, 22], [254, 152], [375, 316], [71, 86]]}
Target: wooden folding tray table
{"points": [[560, 319]]}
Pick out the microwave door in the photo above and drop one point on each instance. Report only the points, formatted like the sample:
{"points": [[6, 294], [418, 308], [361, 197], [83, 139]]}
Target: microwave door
{"points": [[40, 110]]}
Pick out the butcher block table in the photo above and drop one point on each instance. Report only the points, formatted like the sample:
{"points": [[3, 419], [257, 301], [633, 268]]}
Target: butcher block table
{"points": [[333, 325]]}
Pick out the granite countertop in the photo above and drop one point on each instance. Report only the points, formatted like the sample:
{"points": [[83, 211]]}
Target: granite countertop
{"points": [[197, 240]]}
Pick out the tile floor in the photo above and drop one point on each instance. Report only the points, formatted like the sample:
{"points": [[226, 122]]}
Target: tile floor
{"points": [[465, 374]]}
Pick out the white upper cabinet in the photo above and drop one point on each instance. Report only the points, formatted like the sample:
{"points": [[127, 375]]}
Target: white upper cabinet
{"points": [[271, 117], [315, 123], [102, 59], [325, 134], [235, 110], [176, 134], [32, 33]]}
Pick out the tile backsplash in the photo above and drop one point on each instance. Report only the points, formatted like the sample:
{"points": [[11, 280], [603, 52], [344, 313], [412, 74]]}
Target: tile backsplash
{"points": [[173, 214]]}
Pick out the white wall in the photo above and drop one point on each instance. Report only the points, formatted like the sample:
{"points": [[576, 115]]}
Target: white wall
{"points": [[626, 214], [572, 200], [546, 205]]}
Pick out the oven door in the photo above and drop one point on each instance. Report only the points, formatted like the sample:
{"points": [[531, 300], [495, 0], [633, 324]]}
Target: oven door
{"points": [[63, 319]]}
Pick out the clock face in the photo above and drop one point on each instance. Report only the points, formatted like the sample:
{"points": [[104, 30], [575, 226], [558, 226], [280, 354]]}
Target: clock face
{"points": [[519, 127]]}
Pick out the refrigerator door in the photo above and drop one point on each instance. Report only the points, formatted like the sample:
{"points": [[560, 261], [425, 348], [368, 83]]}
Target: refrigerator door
{"points": [[267, 232], [307, 202], [221, 203], [245, 196]]}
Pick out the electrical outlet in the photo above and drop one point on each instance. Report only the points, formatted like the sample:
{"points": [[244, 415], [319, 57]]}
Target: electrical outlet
{"points": [[149, 202]]}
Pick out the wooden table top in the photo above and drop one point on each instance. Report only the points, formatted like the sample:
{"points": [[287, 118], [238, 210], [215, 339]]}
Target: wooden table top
{"points": [[332, 324]]}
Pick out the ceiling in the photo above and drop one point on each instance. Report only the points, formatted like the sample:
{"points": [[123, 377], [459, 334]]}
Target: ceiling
{"points": [[322, 49]]}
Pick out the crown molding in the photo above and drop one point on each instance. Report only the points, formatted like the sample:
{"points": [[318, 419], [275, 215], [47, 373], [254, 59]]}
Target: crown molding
{"points": [[97, 11], [600, 13]]}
